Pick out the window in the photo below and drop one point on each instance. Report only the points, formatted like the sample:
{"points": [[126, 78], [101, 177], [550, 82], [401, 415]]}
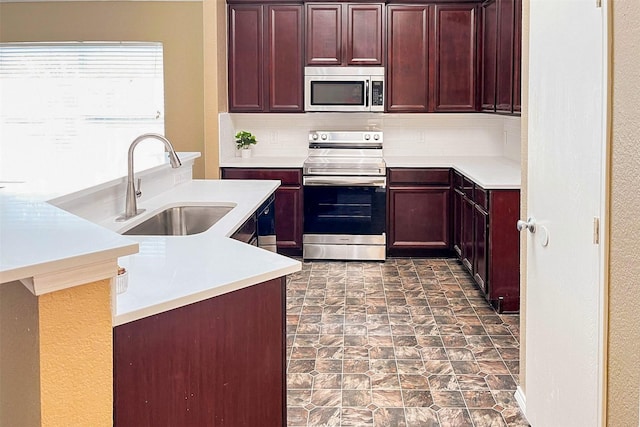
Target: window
{"points": [[69, 111]]}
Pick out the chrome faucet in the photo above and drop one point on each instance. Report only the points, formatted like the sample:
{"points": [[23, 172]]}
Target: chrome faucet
{"points": [[131, 208]]}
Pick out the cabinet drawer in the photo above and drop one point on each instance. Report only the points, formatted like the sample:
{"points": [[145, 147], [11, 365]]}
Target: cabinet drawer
{"points": [[419, 176], [481, 197], [286, 176]]}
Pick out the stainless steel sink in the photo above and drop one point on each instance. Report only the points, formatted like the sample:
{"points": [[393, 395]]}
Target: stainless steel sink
{"points": [[180, 221]]}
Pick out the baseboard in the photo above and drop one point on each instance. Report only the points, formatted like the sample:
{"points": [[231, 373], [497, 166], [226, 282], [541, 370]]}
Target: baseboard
{"points": [[521, 399]]}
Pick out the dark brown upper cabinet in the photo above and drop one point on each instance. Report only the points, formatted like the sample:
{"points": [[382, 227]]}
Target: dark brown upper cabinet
{"points": [[408, 57], [344, 34], [432, 58], [517, 59], [489, 55], [265, 58], [454, 64], [501, 38]]}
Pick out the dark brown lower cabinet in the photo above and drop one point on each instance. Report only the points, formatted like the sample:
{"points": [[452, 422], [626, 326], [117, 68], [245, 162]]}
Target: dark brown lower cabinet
{"points": [[480, 247], [467, 233], [488, 242], [288, 204], [419, 201], [503, 276], [217, 362]]}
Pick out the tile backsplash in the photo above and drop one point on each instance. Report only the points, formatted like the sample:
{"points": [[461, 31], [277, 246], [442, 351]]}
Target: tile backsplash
{"points": [[285, 135]]}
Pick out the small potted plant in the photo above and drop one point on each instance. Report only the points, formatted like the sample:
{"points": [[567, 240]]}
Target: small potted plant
{"points": [[244, 141]]}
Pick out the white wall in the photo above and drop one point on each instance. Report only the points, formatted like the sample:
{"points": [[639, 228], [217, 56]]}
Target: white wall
{"points": [[286, 135]]}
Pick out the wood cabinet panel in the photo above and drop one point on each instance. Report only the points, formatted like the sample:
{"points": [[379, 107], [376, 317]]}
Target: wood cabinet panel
{"points": [[218, 362], [419, 176], [489, 55], [408, 58], [501, 51], [485, 241], [285, 46], [458, 195], [246, 77], [265, 58], [504, 67], [345, 33], [324, 33], [504, 246], [420, 219], [288, 204], [364, 34], [467, 233], [419, 206], [289, 217], [481, 248], [286, 176], [517, 58], [454, 63]]}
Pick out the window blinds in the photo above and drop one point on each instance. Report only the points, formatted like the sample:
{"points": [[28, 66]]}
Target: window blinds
{"points": [[68, 111]]}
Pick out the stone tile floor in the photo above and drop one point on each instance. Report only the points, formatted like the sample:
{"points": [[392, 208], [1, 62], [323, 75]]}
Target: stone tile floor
{"points": [[407, 342]]}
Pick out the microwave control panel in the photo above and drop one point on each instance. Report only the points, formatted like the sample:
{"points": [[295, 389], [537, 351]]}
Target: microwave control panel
{"points": [[377, 94]]}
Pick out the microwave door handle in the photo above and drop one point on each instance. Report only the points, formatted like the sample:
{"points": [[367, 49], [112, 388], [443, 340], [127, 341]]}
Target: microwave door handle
{"points": [[366, 93]]}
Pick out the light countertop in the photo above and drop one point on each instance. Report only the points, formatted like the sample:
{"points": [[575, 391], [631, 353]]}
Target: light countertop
{"points": [[173, 271], [37, 238], [489, 172]]}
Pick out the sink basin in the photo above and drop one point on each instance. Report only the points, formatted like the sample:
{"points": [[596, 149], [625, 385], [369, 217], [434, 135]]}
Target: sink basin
{"points": [[180, 221]]}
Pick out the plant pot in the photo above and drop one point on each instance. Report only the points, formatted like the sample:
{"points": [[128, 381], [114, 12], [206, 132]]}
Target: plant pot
{"points": [[245, 153]]}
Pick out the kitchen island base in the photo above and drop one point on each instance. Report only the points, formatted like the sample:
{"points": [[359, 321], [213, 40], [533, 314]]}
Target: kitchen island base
{"points": [[218, 362]]}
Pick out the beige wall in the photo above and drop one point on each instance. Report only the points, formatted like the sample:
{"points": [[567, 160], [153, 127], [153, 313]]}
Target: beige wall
{"points": [[76, 356], [624, 267], [56, 356], [215, 78], [19, 357], [178, 25]]}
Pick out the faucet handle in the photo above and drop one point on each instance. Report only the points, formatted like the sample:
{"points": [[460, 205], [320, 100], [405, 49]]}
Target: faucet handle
{"points": [[138, 192]]}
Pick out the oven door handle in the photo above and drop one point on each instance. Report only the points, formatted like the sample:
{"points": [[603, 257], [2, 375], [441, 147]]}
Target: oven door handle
{"points": [[337, 171], [335, 181]]}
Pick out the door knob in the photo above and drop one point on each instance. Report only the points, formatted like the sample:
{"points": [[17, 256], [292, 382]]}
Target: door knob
{"points": [[529, 224]]}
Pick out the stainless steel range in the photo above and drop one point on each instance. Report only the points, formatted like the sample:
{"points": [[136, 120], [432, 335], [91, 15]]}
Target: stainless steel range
{"points": [[345, 183]]}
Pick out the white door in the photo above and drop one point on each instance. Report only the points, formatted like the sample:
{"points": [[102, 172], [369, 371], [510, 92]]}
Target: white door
{"points": [[564, 294]]}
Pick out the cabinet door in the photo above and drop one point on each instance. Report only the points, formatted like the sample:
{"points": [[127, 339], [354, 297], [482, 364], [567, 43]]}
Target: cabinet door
{"points": [[504, 71], [489, 55], [284, 47], [226, 365], [364, 34], [517, 58], [289, 211], [324, 34], [467, 233], [407, 62], [480, 249], [419, 218], [246, 76], [457, 222], [504, 255], [454, 58]]}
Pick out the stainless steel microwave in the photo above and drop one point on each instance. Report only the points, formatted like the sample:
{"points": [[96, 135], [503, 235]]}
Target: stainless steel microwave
{"points": [[345, 89]]}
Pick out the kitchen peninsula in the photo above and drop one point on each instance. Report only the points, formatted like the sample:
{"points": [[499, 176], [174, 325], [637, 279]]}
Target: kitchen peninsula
{"points": [[229, 297]]}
